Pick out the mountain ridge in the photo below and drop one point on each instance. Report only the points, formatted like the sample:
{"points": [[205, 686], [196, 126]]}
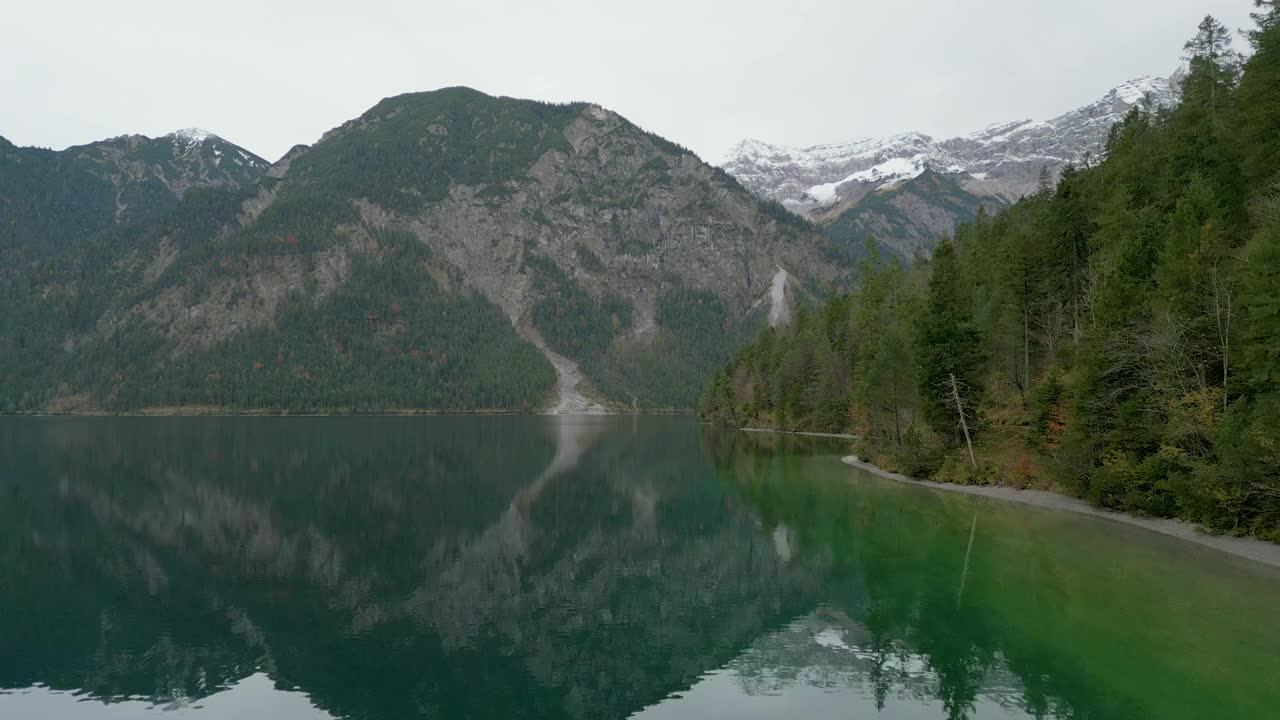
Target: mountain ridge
{"points": [[1001, 160], [443, 250], [906, 191], [56, 199]]}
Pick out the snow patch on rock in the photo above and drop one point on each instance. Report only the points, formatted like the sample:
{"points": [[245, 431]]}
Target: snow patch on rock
{"points": [[1003, 159], [192, 136], [831, 638], [886, 174]]}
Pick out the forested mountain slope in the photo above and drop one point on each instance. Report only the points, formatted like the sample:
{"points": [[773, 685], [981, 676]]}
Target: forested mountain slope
{"points": [[51, 200], [907, 219], [446, 250], [1116, 337]]}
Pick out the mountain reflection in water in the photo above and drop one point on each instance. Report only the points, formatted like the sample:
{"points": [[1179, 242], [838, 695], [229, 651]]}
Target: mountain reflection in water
{"points": [[580, 568]]}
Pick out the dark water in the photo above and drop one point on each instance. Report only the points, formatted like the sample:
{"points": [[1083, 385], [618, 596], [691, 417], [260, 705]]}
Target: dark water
{"points": [[581, 568]]}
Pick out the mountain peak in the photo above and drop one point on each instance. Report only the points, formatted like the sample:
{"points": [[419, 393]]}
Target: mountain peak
{"points": [[1002, 160], [193, 142], [192, 135], [1139, 88], [573, 206]]}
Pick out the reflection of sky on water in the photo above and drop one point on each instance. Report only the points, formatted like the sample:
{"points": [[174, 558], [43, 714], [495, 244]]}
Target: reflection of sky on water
{"points": [[256, 696], [823, 665], [586, 568]]}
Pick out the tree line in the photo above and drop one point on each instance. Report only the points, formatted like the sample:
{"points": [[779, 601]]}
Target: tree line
{"points": [[1115, 335]]}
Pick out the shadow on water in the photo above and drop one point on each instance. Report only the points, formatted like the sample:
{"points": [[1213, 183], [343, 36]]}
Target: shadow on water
{"points": [[581, 568]]}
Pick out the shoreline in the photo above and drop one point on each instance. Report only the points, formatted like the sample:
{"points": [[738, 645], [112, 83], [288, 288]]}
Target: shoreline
{"points": [[836, 436], [1248, 548], [189, 412]]}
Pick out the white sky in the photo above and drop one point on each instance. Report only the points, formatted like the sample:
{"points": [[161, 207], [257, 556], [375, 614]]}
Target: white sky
{"points": [[268, 74]]}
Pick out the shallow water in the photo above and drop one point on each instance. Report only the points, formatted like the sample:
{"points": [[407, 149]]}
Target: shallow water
{"points": [[505, 567]]}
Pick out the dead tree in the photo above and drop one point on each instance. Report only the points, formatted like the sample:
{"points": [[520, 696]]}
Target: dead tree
{"points": [[964, 424]]}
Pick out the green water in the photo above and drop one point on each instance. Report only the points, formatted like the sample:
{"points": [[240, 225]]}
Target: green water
{"points": [[581, 568]]}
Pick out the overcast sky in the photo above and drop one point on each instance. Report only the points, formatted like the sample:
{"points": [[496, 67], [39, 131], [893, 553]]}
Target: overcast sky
{"points": [[268, 74]]}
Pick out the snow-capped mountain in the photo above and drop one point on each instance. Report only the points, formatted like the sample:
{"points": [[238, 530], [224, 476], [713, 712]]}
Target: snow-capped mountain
{"points": [[179, 161], [1002, 161], [191, 142]]}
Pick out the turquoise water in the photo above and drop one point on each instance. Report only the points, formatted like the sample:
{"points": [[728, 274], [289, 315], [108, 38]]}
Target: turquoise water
{"points": [[507, 567]]}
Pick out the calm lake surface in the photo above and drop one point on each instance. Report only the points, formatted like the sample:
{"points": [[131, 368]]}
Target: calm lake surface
{"points": [[513, 567]]}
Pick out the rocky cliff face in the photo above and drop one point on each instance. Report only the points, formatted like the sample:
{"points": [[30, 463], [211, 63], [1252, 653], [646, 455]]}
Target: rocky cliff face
{"points": [[843, 186], [624, 259], [615, 209]]}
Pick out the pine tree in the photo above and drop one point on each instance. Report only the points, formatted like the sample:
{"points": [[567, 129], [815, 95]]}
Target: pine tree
{"points": [[1044, 182], [1195, 295], [1199, 126], [1256, 126], [1260, 307], [1212, 44], [1214, 69], [1241, 490], [947, 344], [1121, 299], [1267, 17], [1066, 223]]}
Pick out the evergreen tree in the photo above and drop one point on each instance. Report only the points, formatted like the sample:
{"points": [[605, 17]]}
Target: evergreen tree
{"points": [[1212, 44], [887, 383], [947, 345], [1124, 302], [1200, 125], [1256, 126], [1260, 306], [1240, 489], [1066, 222], [1266, 18], [1195, 283], [1044, 182]]}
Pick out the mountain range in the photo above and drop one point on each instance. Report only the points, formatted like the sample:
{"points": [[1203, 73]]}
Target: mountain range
{"points": [[451, 250], [907, 189], [446, 250]]}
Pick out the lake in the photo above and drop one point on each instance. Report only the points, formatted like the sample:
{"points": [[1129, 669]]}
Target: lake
{"points": [[531, 567]]}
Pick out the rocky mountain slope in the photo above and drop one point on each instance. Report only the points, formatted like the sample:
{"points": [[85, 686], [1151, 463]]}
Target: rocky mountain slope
{"points": [[54, 199], [445, 250], [907, 218], [994, 167]]}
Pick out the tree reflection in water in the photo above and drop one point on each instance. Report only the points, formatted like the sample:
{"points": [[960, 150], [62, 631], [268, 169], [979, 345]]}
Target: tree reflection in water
{"points": [[572, 567]]}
